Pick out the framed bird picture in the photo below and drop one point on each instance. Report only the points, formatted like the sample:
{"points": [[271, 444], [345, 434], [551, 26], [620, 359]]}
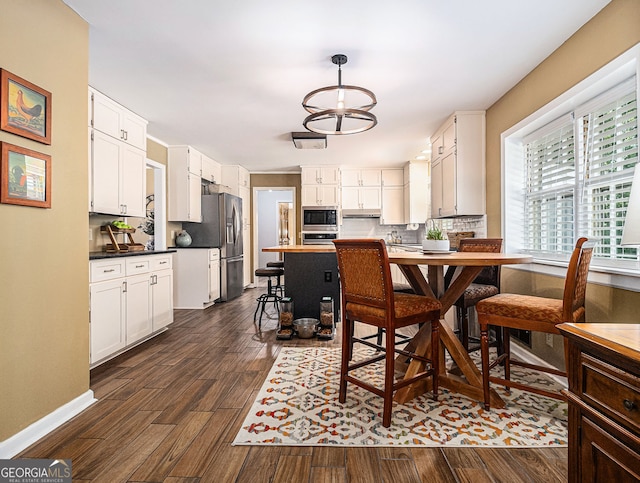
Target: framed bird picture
{"points": [[25, 108], [25, 176]]}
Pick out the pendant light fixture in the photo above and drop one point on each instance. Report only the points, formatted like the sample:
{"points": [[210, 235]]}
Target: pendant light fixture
{"points": [[340, 109]]}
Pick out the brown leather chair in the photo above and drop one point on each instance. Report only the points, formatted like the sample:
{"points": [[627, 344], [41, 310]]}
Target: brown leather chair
{"points": [[485, 285], [368, 297], [538, 314]]}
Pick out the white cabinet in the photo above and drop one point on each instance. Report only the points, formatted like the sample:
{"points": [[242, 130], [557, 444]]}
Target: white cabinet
{"points": [[361, 177], [320, 195], [118, 177], [392, 177], [117, 158], [131, 299], [392, 205], [458, 166], [111, 118], [197, 277], [361, 198], [416, 192], [245, 194], [236, 178], [211, 170], [320, 175], [185, 185]]}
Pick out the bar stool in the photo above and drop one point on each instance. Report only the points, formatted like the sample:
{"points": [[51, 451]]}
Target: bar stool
{"points": [[279, 288], [271, 294]]}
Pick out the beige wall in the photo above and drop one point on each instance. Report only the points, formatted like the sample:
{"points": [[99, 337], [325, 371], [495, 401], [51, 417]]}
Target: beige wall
{"points": [[44, 301], [614, 30]]}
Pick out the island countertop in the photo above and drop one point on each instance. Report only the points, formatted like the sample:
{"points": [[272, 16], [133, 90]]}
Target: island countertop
{"points": [[326, 248]]}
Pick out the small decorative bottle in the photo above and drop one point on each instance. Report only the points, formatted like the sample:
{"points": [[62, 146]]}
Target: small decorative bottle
{"points": [[327, 321]]}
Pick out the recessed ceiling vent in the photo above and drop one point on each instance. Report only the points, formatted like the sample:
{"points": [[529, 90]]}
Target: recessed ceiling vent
{"points": [[309, 140]]}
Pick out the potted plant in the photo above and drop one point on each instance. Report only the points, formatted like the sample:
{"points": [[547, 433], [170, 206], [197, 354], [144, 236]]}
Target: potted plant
{"points": [[435, 240]]}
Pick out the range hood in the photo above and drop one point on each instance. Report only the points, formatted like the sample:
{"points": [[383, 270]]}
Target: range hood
{"points": [[355, 213]]}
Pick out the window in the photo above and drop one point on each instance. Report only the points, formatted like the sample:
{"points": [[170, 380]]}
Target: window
{"points": [[578, 172], [570, 176]]}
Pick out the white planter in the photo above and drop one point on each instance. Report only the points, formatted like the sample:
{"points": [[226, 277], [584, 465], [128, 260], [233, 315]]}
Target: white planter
{"points": [[435, 245]]}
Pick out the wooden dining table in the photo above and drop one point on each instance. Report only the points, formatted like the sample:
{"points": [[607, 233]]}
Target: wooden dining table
{"points": [[467, 379]]}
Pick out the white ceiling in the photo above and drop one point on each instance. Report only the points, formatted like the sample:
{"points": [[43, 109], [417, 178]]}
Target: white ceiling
{"points": [[228, 78]]}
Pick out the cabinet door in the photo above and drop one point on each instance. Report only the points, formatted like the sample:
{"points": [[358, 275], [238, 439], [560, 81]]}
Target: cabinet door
{"points": [[135, 130], [449, 186], [350, 177], [106, 173], [244, 178], [246, 250], [133, 181], [211, 170], [107, 115], [245, 195], [330, 175], [449, 136], [370, 177], [194, 162], [195, 206], [370, 198], [350, 198], [392, 177], [138, 307], [214, 280], [107, 318], [328, 195], [309, 196], [436, 189], [310, 176], [162, 299], [392, 205]]}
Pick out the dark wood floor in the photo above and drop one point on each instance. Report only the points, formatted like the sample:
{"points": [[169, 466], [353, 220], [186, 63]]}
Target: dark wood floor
{"points": [[169, 409]]}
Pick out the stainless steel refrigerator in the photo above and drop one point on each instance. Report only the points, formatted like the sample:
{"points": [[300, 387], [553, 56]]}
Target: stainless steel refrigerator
{"points": [[221, 227]]}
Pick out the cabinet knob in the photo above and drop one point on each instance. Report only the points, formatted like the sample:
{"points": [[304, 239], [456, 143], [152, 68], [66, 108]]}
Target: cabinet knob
{"points": [[629, 405]]}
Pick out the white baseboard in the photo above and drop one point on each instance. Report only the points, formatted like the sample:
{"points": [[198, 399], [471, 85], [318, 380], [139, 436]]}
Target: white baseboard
{"points": [[525, 356], [25, 438]]}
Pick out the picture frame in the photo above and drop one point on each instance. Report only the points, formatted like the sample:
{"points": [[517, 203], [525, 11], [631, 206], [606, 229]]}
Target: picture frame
{"points": [[25, 108], [25, 176]]}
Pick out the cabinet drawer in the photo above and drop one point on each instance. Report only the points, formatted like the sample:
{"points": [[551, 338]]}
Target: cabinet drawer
{"points": [[214, 254], [136, 265], [161, 262], [613, 390], [106, 270]]}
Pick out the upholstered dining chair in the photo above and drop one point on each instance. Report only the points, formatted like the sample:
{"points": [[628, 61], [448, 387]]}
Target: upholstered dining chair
{"points": [[485, 285], [538, 314], [368, 297]]}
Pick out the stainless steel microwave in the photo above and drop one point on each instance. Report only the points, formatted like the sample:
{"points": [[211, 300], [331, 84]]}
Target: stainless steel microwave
{"points": [[320, 218]]}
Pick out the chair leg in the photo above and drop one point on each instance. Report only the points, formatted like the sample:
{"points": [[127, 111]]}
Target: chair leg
{"points": [[463, 319], [435, 356], [347, 349], [506, 343], [389, 369], [484, 351]]}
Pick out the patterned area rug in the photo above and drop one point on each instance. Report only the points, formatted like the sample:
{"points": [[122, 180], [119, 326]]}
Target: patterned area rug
{"points": [[298, 405]]}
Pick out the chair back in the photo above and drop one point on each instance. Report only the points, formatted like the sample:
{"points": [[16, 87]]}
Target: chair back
{"points": [[365, 274], [575, 285], [488, 275]]}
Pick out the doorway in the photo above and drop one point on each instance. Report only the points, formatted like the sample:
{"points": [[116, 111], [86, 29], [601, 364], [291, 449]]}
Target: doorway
{"points": [[274, 222]]}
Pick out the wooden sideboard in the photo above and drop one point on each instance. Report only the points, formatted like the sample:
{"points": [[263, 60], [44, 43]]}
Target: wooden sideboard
{"points": [[603, 368]]}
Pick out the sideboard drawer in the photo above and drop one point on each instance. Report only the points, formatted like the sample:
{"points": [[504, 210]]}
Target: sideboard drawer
{"points": [[137, 265], [102, 270], [161, 262], [613, 390]]}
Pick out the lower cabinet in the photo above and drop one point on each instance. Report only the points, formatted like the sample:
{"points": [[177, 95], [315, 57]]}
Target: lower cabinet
{"points": [[197, 282], [131, 299]]}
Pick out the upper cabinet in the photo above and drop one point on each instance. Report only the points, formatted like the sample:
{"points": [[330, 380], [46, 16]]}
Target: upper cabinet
{"points": [[320, 175], [117, 158], [320, 186], [236, 177], [458, 166], [184, 186], [115, 120], [392, 197], [211, 170], [416, 191], [361, 177]]}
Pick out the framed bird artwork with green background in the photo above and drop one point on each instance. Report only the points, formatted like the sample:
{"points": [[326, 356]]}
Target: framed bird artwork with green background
{"points": [[25, 108]]}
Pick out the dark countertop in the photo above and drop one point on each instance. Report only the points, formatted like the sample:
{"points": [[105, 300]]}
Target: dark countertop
{"points": [[101, 255]]}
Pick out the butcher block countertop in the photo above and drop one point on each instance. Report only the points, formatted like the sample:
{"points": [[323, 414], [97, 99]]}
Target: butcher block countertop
{"points": [[327, 248]]}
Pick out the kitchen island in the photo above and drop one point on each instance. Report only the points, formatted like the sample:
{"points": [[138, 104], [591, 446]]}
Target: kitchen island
{"points": [[311, 272]]}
